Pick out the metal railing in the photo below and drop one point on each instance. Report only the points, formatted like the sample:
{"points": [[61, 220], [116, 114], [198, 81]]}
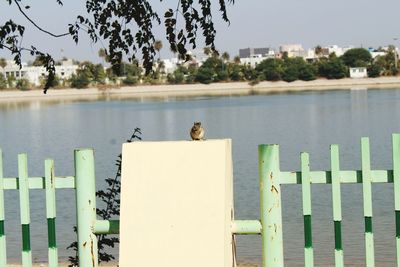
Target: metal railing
{"points": [[269, 226], [87, 226], [271, 214]]}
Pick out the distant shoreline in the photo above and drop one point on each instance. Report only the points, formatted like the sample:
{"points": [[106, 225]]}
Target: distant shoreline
{"points": [[191, 90]]}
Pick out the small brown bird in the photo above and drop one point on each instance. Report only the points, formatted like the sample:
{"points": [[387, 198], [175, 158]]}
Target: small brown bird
{"points": [[197, 131]]}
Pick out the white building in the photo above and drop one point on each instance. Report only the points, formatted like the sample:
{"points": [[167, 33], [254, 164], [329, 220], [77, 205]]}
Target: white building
{"points": [[360, 72], [170, 65], [293, 50], [310, 55], [339, 51], [66, 69], [252, 61], [265, 52], [34, 74]]}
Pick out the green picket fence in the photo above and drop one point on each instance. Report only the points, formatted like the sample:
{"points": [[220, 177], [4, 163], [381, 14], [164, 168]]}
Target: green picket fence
{"points": [[269, 226], [84, 184], [271, 214]]}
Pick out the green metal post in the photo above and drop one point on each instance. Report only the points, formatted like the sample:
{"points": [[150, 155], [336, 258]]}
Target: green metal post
{"points": [[396, 181], [23, 182], [337, 205], [50, 185], [306, 197], [3, 257], [86, 207], [367, 200], [270, 204]]}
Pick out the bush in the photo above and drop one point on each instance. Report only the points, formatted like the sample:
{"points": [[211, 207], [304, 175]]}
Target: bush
{"points": [[204, 75], [291, 74], [222, 76], [3, 82], [56, 81], [177, 77], [236, 73], [81, 80], [130, 80], [23, 84], [374, 71], [271, 69], [333, 68], [11, 81], [307, 72]]}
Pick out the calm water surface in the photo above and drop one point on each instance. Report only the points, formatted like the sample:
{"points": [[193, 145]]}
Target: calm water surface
{"points": [[298, 122]]}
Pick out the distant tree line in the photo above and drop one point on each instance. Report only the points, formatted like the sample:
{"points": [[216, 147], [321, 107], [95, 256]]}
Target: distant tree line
{"points": [[219, 68]]}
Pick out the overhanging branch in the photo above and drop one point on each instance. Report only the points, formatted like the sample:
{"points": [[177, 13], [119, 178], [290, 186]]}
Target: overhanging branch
{"points": [[37, 26]]}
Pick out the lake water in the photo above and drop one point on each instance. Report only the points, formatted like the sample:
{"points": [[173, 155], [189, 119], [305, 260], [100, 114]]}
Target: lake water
{"points": [[308, 121]]}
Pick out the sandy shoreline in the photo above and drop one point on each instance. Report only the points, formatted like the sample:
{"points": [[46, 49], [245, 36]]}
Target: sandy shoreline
{"points": [[188, 90]]}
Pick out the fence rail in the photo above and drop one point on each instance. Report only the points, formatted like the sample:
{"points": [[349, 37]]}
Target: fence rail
{"points": [[269, 226]]}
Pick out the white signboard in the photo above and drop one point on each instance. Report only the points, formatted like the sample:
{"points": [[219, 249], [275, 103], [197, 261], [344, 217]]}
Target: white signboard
{"points": [[176, 204]]}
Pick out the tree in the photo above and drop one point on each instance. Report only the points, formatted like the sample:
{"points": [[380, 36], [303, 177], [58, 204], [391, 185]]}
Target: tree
{"points": [[178, 76], [207, 51], [225, 56], [11, 81], [3, 82], [236, 73], [3, 63], [88, 73], [271, 69], [318, 51], [291, 73], [387, 62], [357, 57], [204, 75], [249, 73], [80, 80], [236, 60], [23, 84], [125, 26], [374, 70], [56, 81], [307, 72], [158, 45], [130, 80], [297, 68], [103, 54], [332, 68]]}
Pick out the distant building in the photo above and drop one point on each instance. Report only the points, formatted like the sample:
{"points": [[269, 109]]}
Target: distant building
{"points": [[256, 52], [332, 49], [339, 51], [34, 74], [360, 72], [310, 55], [375, 53], [170, 65], [293, 50], [66, 69], [253, 56], [252, 61]]}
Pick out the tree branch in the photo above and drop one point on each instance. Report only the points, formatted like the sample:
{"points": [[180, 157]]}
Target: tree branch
{"points": [[37, 26]]}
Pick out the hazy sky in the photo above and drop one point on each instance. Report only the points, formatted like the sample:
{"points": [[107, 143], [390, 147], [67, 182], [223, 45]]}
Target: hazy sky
{"points": [[254, 23]]}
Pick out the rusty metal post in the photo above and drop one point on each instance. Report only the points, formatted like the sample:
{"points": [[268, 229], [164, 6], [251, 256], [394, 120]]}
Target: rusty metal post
{"points": [[86, 207], [270, 205]]}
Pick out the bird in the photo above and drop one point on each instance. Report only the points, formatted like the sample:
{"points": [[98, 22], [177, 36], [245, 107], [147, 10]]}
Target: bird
{"points": [[197, 132]]}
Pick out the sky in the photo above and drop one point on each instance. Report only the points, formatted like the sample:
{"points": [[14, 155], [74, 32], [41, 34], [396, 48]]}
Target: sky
{"points": [[254, 23]]}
